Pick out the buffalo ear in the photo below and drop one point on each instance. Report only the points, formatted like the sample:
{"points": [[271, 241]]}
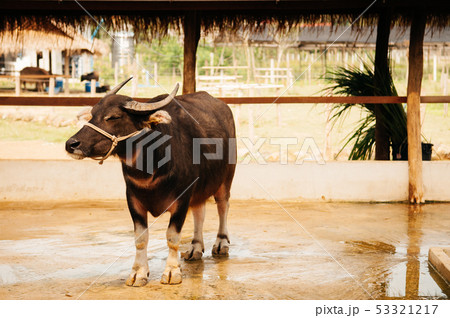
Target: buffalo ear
{"points": [[85, 114], [159, 117]]}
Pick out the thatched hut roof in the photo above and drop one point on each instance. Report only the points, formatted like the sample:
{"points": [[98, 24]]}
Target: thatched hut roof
{"points": [[47, 36], [153, 18], [319, 35]]}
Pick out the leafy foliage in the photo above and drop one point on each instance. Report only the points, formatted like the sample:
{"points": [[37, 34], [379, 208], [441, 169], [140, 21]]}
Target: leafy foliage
{"points": [[168, 54], [356, 82]]}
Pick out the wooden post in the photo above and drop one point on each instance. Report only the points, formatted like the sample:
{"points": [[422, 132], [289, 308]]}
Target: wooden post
{"points": [[444, 92], [290, 77], [415, 73], [407, 66], [116, 73], [251, 123], [134, 82], [211, 61], [73, 68], [247, 57], [279, 119], [191, 37], [253, 64], [93, 87], [381, 75], [328, 128], [434, 67], [272, 71], [51, 88], [50, 63], [233, 54], [309, 73], [18, 85], [66, 73], [345, 53]]}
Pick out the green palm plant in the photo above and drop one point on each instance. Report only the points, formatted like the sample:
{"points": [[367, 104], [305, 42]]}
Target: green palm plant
{"points": [[356, 82]]}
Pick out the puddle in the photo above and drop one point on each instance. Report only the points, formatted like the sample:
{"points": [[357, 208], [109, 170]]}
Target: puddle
{"points": [[414, 281], [61, 249], [373, 246]]}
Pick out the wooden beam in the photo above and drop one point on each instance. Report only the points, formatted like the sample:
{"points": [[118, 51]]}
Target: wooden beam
{"points": [[381, 74], [435, 99], [413, 112], [191, 29], [319, 100], [66, 72], [85, 101], [28, 77]]}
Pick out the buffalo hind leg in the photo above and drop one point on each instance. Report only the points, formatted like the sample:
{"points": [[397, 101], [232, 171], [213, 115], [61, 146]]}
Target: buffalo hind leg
{"points": [[172, 272], [222, 244], [197, 247], [139, 272]]}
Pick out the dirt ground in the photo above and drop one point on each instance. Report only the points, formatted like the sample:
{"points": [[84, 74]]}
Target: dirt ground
{"points": [[291, 250]]}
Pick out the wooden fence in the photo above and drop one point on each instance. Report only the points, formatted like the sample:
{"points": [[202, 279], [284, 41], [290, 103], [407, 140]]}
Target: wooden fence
{"points": [[39, 79], [83, 101]]}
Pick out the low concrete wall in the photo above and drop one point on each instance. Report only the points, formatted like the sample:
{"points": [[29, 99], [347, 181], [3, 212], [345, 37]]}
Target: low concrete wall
{"points": [[337, 181]]}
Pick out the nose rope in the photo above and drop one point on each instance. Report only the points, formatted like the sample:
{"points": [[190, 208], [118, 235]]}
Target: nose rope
{"points": [[115, 140]]}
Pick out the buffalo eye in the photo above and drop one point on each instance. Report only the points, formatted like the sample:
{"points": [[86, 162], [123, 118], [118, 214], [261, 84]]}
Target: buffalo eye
{"points": [[112, 117]]}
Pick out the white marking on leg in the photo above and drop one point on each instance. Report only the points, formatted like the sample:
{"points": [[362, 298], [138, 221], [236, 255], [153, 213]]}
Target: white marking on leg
{"points": [[141, 242], [197, 247], [222, 207], [172, 272], [199, 217], [221, 246], [139, 273]]}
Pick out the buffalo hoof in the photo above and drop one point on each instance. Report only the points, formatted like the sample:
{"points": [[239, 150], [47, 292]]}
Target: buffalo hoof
{"points": [[194, 253], [171, 276], [136, 280], [221, 247]]}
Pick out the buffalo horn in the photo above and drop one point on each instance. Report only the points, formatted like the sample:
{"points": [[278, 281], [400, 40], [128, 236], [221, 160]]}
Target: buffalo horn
{"points": [[118, 87], [145, 107]]}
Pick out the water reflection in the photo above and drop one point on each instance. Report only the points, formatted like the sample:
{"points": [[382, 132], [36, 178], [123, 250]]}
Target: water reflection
{"points": [[415, 219], [412, 279]]}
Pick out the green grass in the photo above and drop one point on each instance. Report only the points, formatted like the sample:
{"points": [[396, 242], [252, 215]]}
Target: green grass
{"points": [[300, 120], [19, 131]]}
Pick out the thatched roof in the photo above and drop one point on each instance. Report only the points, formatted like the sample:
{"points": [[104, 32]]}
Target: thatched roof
{"points": [[319, 35], [153, 18], [47, 36]]}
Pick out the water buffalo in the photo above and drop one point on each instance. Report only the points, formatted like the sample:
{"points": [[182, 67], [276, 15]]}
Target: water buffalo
{"points": [[184, 181], [40, 82], [90, 76]]}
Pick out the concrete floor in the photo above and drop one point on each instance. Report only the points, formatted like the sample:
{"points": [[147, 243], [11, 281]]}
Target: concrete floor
{"points": [[86, 250]]}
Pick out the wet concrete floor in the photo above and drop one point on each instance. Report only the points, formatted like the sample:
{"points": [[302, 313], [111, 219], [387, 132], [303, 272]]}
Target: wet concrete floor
{"points": [[294, 250]]}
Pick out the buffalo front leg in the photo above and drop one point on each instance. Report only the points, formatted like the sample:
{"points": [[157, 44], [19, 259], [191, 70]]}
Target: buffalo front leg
{"points": [[197, 247], [172, 272], [139, 272]]}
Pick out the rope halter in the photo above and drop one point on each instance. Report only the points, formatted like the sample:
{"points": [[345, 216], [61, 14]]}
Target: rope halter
{"points": [[115, 140]]}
